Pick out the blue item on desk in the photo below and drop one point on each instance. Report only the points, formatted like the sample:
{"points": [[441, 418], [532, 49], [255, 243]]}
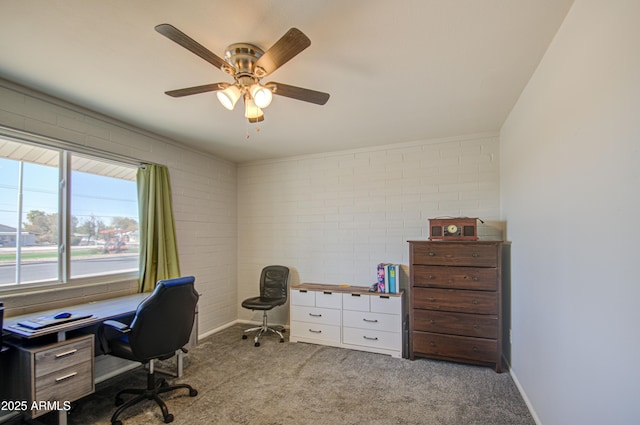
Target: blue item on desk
{"points": [[63, 315]]}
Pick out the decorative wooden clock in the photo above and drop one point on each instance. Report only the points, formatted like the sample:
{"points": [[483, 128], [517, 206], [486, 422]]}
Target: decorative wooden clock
{"points": [[453, 229]]}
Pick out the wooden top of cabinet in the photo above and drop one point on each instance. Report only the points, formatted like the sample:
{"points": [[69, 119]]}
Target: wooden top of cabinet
{"points": [[327, 287]]}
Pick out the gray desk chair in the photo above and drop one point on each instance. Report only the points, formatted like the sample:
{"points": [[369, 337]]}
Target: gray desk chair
{"points": [[162, 326], [273, 292]]}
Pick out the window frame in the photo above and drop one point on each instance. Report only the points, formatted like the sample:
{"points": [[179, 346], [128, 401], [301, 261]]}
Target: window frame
{"points": [[66, 150]]}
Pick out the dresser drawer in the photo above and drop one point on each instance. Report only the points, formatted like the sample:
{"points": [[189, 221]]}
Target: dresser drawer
{"points": [[372, 338], [303, 297], [453, 346], [368, 320], [66, 384], [453, 254], [316, 331], [386, 304], [63, 355], [476, 278], [479, 302], [329, 299], [481, 326], [356, 302], [325, 316]]}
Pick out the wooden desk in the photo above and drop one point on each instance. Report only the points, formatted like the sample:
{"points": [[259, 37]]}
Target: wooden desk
{"points": [[35, 369]]}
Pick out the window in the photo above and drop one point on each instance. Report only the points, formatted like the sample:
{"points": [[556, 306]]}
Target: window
{"points": [[64, 215]]}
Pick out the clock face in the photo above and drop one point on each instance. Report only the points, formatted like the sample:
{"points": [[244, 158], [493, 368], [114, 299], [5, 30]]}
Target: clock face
{"points": [[451, 229]]}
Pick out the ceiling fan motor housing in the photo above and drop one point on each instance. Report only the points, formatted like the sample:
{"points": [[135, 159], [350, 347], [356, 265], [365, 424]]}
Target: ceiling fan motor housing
{"points": [[243, 57]]}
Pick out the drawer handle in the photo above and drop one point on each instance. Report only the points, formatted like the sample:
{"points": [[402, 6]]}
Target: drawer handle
{"points": [[315, 315], [65, 377], [315, 332], [475, 326], [475, 349], [433, 322], [432, 254], [431, 277], [432, 299], [327, 292], [66, 353], [370, 320], [433, 344], [475, 255], [303, 291], [384, 297], [355, 295], [375, 338], [475, 302], [475, 278]]}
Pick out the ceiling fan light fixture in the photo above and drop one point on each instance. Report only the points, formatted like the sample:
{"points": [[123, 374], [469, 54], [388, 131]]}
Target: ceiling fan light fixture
{"points": [[261, 95], [229, 96], [251, 111]]}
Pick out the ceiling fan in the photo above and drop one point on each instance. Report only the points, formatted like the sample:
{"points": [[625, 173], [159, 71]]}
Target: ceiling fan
{"points": [[248, 64]]}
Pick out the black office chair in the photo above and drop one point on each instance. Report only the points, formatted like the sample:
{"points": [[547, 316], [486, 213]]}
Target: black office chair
{"points": [[273, 292], [162, 326]]}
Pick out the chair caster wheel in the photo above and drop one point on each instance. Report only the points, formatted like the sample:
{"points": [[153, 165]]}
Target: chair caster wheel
{"points": [[163, 383], [244, 337], [168, 418], [282, 340], [257, 344], [193, 393], [119, 402], [116, 423]]}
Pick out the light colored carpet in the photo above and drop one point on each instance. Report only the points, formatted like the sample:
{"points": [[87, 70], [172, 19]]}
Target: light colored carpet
{"points": [[295, 383]]}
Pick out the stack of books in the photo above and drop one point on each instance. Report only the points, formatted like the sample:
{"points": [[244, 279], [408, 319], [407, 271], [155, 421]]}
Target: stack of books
{"points": [[388, 278]]}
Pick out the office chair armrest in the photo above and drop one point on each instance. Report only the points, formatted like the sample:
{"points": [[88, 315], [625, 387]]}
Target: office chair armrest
{"points": [[120, 327]]}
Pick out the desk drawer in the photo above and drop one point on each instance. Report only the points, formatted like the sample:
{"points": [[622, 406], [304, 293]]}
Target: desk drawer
{"points": [[63, 355], [63, 385]]}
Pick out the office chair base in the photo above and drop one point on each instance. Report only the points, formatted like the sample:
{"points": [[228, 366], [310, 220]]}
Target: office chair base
{"points": [[260, 330], [154, 388]]}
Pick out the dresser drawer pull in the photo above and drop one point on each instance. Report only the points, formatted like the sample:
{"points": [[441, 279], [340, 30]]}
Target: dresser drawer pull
{"points": [[475, 302], [475, 325], [432, 254], [327, 292], [66, 353], [475, 278], [431, 277], [315, 315], [475, 255], [65, 377], [433, 322], [475, 349], [315, 332], [303, 291], [433, 344], [384, 297], [370, 320], [432, 299], [375, 338], [355, 295]]}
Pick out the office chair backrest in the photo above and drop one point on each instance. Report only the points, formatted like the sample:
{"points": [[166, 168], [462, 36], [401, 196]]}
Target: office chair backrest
{"points": [[164, 320], [273, 282]]}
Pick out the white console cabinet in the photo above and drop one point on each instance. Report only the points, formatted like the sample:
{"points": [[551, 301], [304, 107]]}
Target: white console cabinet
{"points": [[348, 317]]}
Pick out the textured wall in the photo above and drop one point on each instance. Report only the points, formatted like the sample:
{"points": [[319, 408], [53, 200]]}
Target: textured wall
{"points": [[204, 194]]}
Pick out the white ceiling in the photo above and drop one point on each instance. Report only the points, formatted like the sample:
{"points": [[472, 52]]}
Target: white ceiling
{"points": [[397, 71]]}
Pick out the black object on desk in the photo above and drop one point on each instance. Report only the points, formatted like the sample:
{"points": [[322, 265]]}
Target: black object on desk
{"points": [[46, 321]]}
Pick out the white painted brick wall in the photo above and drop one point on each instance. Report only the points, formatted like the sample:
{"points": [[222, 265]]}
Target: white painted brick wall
{"points": [[204, 199], [333, 217]]}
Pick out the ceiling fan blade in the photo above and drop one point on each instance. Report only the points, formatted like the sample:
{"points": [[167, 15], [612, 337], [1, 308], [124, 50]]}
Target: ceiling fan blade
{"points": [[197, 89], [292, 43], [174, 34], [306, 95]]}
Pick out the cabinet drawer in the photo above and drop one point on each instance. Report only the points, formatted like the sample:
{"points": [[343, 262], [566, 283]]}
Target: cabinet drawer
{"points": [[452, 254], [476, 325], [318, 331], [63, 355], [303, 297], [477, 278], [372, 338], [479, 302], [386, 304], [66, 384], [326, 316], [329, 299], [356, 302], [367, 320], [459, 347]]}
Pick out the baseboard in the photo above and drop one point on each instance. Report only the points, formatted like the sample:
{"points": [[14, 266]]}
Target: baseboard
{"points": [[228, 325], [522, 392]]}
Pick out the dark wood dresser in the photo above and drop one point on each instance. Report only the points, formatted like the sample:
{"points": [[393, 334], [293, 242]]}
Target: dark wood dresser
{"points": [[455, 301]]}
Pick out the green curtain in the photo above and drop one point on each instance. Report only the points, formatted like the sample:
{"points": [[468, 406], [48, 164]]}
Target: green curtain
{"points": [[158, 244]]}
